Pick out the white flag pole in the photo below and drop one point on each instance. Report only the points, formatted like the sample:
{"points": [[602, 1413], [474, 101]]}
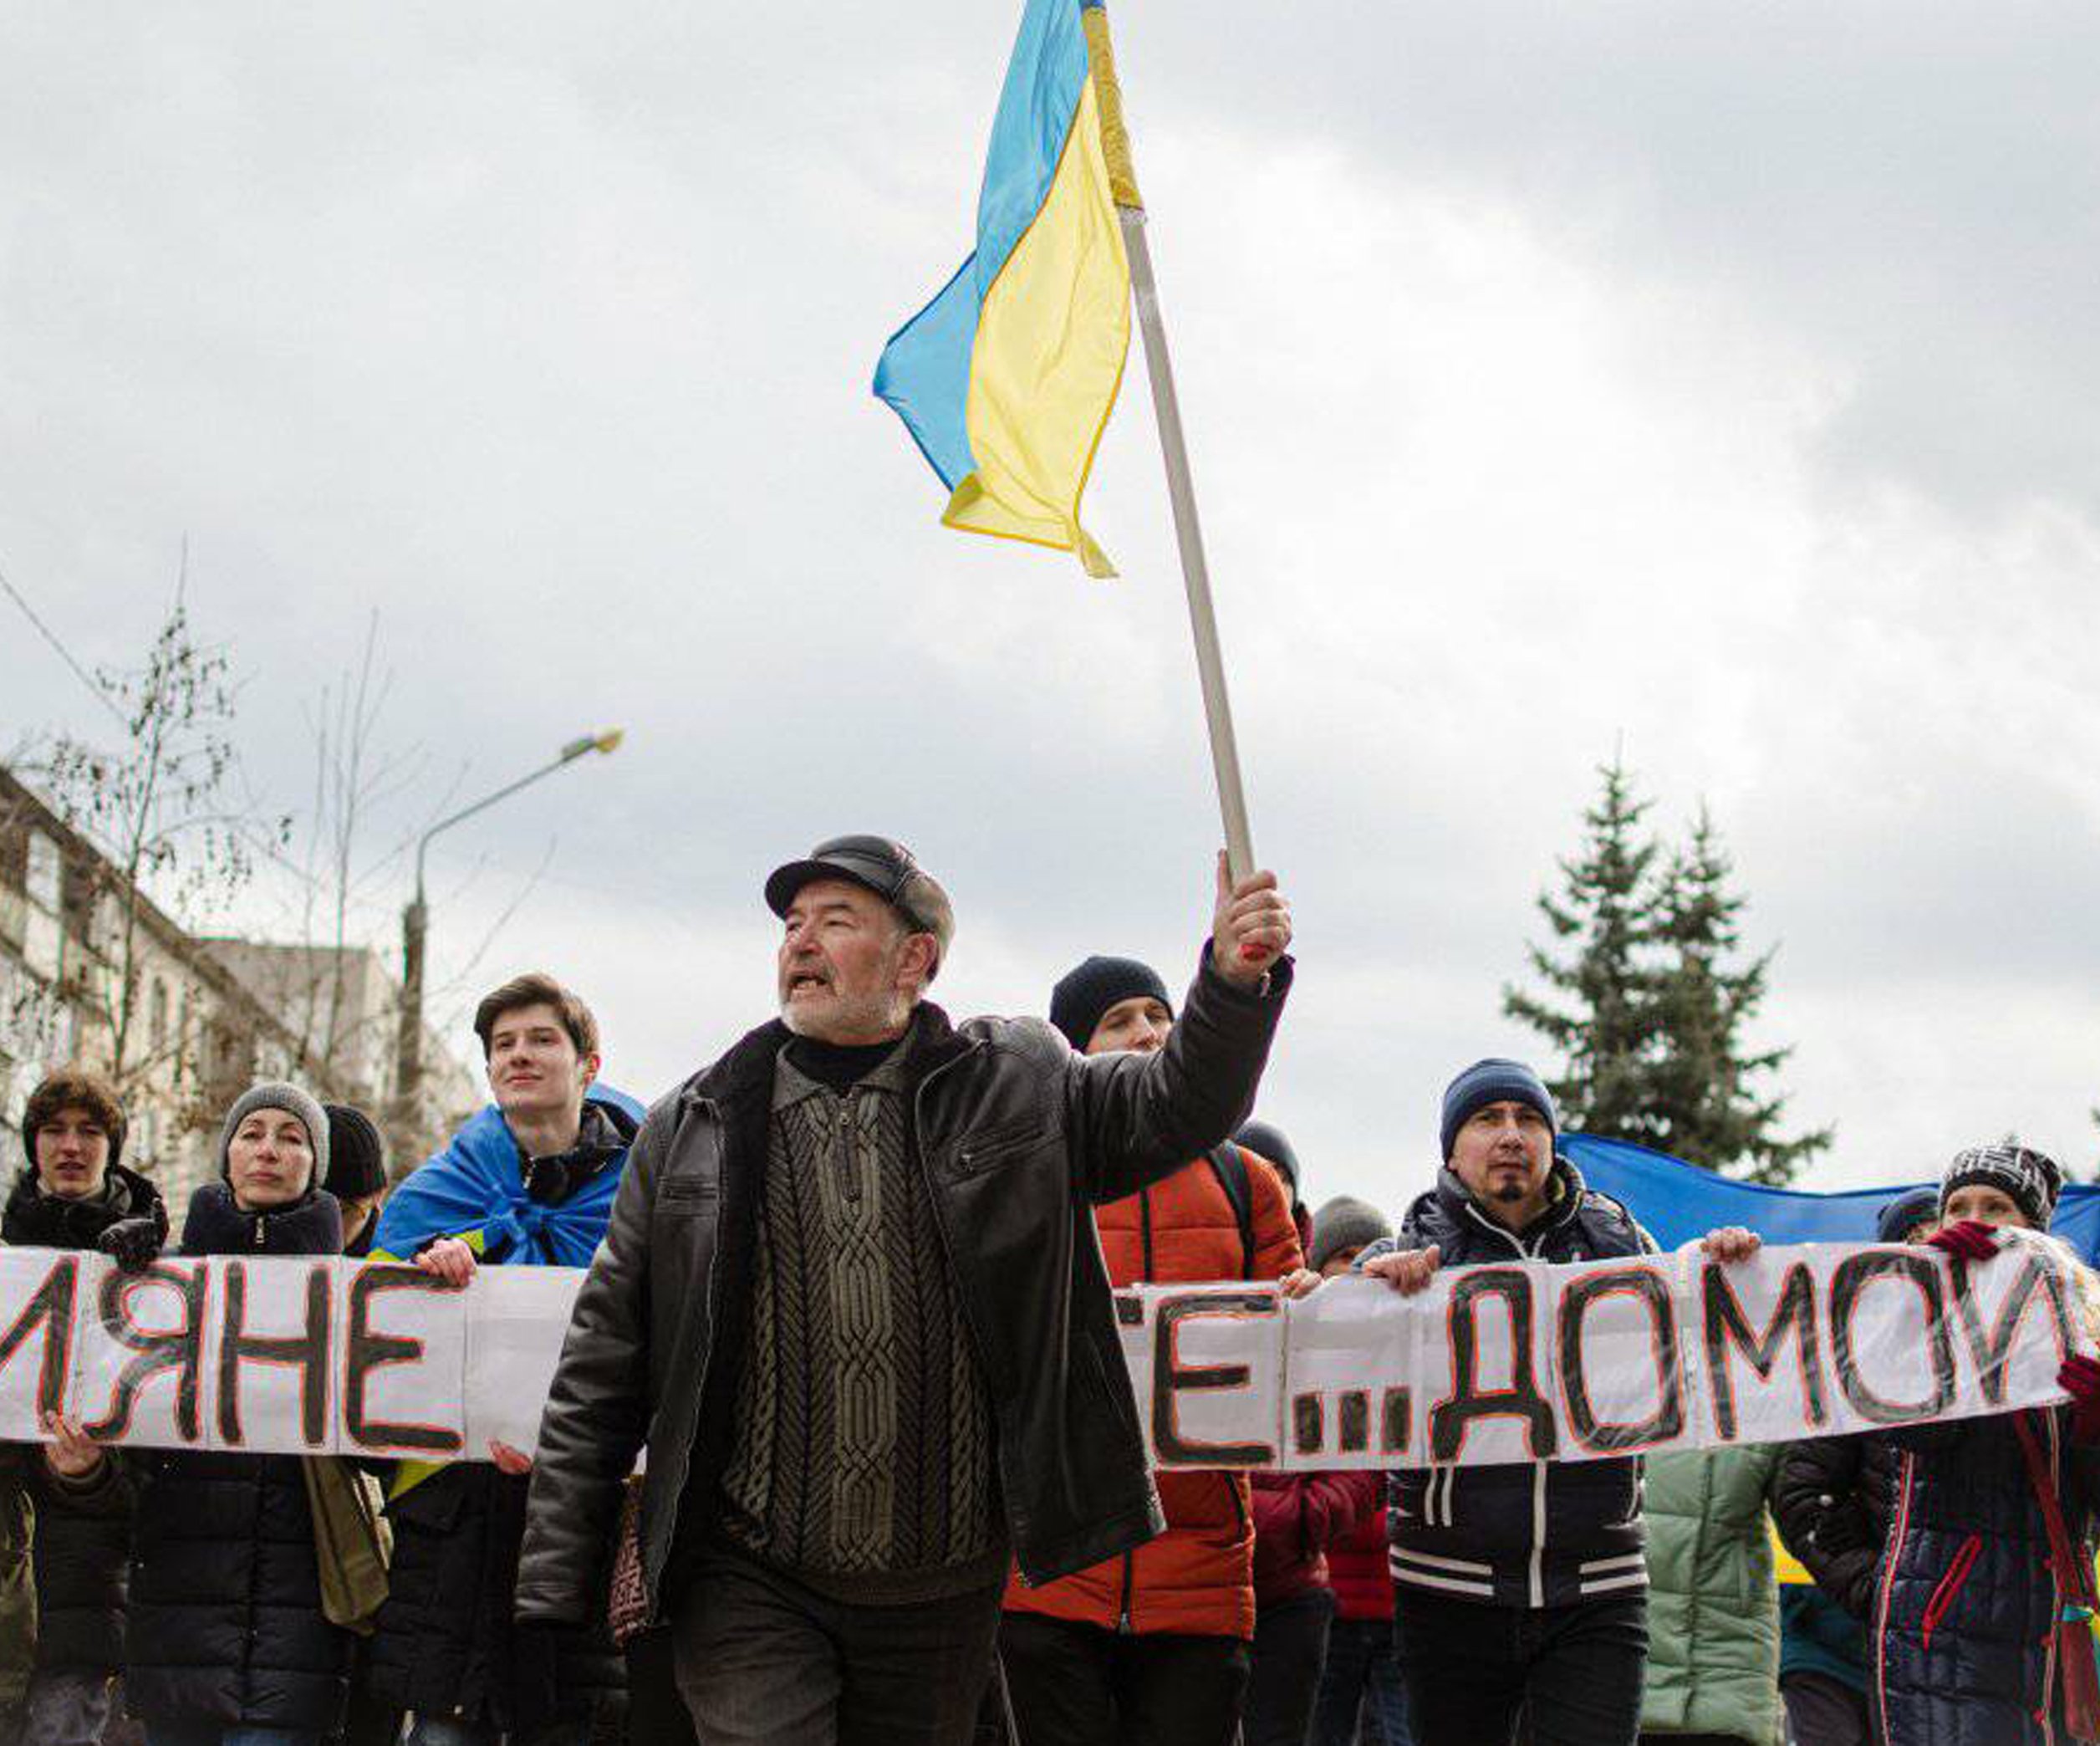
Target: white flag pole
{"points": [[1166, 406], [1188, 532]]}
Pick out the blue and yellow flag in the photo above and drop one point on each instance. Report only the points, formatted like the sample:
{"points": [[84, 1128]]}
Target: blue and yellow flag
{"points": [[1005, 380]]}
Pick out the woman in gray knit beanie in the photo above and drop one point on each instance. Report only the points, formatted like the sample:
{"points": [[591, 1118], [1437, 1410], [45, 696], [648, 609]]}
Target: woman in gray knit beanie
{"points": [[274, 1146], [229, 1633]]}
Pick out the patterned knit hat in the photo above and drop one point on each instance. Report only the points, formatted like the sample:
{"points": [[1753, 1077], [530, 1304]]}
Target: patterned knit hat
{"points": [[2032, 1178]]}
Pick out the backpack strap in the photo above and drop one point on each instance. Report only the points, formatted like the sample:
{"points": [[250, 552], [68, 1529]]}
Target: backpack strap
{"points": [[1231, 1172]]}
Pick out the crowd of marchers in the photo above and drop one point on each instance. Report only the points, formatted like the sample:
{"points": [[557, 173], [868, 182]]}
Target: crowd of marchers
{"points": [[842, 1447]]}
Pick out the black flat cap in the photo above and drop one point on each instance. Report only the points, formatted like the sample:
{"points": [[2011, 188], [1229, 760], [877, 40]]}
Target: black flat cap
{"points": [[877, 864]]}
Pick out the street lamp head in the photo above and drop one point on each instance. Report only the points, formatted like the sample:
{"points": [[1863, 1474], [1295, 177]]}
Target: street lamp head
{"points": [[609, 741]]}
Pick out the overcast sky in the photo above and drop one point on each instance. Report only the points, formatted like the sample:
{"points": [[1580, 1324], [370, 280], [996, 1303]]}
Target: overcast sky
{"points": [[1718, 382]]}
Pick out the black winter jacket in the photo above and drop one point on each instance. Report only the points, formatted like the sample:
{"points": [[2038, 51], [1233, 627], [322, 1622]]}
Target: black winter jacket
{"points": [[36, 1220], [445, 1645], [80, 1556], [1523, 1533], [1017, 1136], [1833, 1498], [1965, 1618], [227, 1628]]}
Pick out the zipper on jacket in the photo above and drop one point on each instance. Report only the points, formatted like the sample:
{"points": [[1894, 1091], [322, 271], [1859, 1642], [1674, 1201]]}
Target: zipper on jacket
{"points": [[711, 1110], [1487, 1224], [1124, 1626], [1538, 1533], [918, 1150], [843, 1161], [1949, 1590]]}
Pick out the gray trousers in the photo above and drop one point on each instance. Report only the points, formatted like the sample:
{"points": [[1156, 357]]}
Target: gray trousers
{"points": [[764, 1660]]}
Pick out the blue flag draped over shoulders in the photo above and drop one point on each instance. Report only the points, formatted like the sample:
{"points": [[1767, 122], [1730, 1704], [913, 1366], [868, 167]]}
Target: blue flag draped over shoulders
{"points": [[474, 1189]]}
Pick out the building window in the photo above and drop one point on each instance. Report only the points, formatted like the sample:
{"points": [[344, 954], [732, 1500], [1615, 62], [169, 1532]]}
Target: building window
{"points": [[41, 880], [41, 933]]}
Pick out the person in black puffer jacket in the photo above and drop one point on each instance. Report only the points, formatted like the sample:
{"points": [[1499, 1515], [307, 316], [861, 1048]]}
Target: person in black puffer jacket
{"points": [[227, 1637], [1833, 1498], [73, 1193], [1518, 1586], [1965, 1617]]}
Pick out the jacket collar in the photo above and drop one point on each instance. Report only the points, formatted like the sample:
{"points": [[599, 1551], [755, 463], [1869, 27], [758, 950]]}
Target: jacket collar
{"points": [[1565, 1189], [45, 1221], [746, 1073], [311, 1225]]}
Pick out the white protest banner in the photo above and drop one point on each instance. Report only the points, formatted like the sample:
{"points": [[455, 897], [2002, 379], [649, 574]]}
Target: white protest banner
{"points": [[138, 1373], [1503, 1362], [405, 1362], [1522, 1360], [39, 1288], [510, 1361]]}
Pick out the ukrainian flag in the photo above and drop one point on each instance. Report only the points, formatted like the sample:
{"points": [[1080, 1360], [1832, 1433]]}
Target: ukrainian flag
{"points": [[1005, 380]]}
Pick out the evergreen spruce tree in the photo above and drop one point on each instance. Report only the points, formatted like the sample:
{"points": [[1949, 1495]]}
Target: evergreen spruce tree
{"points": [[1648, 1004], [1605, 1032], [1704, 1104]]}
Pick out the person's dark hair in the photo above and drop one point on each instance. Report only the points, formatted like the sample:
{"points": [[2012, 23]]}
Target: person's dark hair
{"points": [[536, 988], [73, 1088]]}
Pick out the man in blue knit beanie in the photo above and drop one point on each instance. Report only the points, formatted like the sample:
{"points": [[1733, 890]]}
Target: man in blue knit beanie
{"points": [[1520, 1585]]}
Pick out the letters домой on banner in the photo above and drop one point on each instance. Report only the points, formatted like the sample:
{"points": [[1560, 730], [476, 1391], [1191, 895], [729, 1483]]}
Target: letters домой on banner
{"points": [[1525, 1362], [1498, 1363]]}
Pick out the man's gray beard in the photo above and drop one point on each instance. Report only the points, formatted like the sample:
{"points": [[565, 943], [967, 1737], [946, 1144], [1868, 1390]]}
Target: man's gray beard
{"points": [[882, 1020], [1510, 1192]]}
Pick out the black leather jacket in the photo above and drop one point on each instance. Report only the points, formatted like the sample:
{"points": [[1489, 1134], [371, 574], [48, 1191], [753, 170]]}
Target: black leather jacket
{"points": [[1018, 1136]]}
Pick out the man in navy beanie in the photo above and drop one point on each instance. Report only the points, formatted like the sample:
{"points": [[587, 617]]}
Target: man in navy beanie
{"points": [[1520, 1590], [1154, 1644]]}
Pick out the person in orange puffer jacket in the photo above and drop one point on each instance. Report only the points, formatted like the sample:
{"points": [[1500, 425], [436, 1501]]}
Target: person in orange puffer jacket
{"points": [[1154, 1645]]}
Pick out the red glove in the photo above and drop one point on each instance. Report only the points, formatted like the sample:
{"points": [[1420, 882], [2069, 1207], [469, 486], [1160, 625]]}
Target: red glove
{"points": [[1969, 1240], [2080, 1379]]}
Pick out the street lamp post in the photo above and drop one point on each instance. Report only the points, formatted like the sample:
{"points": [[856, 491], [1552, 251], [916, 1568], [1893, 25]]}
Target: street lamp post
{"points": [[408, 1048]]}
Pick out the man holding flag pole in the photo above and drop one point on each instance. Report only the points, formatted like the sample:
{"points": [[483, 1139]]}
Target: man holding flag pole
{"points": [[850, 1300]]}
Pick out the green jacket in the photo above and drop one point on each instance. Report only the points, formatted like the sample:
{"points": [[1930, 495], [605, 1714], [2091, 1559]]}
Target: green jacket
{"points": [[1713, 1605]]}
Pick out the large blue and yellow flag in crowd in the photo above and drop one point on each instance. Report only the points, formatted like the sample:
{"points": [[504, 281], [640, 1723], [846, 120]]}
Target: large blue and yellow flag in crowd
{"points": [[1005, 380]]}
